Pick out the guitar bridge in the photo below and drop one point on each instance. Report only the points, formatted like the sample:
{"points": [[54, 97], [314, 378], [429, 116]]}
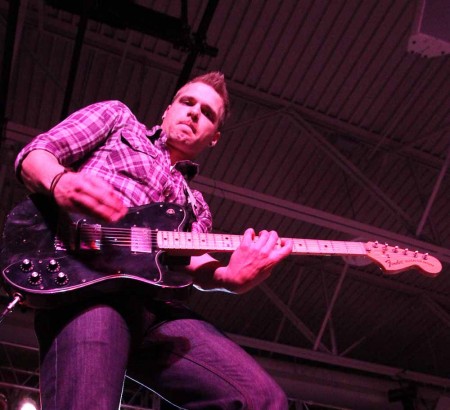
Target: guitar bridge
{"points": [[90, 237]]}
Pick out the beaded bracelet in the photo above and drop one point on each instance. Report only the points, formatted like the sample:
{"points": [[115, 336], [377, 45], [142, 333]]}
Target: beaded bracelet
{"points": [[56, 179]]}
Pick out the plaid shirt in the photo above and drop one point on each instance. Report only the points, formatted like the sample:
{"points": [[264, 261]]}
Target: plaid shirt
{"points": [[105, 139]]}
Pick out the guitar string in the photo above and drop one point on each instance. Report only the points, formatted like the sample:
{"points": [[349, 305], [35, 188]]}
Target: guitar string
{"points": [[337, 246], [308, 245], [128, 232], [126, 236]]}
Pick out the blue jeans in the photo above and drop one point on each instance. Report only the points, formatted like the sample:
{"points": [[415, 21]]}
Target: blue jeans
{"points": [[86, 352]]}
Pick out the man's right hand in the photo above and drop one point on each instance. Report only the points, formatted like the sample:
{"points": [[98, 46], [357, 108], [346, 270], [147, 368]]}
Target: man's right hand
{"points": [[74, 191], [78, 192]]}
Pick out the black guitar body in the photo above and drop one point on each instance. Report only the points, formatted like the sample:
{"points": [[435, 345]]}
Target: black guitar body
{"points": [[43, 264]]}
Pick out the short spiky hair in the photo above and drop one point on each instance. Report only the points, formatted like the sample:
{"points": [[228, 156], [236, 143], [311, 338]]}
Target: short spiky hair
{"points": [[216, 80]]}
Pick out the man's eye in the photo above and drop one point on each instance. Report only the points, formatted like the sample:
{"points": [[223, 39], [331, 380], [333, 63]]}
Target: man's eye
{"points": [[209, 115]]}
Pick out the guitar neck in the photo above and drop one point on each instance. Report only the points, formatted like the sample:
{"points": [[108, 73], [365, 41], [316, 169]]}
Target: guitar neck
{"points": [[192, 243], [323, 247]]}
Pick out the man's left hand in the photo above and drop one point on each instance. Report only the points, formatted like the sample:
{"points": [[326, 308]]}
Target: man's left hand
{"points": [[252, 262]]}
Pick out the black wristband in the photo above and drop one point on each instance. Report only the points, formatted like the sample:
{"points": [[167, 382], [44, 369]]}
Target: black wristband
{"points": [[56, 179]]}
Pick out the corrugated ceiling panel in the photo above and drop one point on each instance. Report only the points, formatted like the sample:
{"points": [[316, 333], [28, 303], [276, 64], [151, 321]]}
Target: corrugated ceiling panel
{"points": [[352, 53]]}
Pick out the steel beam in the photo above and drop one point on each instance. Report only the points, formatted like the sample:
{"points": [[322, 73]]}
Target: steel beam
{"points": [[334, 298], [349, 168], [434, 193], [341, 362], [291, 316], [439, 311], [8, 56]]}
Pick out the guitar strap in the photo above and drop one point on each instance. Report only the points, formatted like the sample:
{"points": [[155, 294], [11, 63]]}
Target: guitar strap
{"points": [[191, 207]]}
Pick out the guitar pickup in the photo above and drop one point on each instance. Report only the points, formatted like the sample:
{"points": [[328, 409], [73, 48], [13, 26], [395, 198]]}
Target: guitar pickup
{"points": [[141, 240]]}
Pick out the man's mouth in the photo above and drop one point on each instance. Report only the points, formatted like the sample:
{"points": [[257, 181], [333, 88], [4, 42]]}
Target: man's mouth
{"points": [[190, 125]]}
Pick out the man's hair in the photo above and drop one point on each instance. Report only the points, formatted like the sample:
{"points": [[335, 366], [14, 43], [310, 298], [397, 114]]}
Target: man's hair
{"points": [[216, 80]]}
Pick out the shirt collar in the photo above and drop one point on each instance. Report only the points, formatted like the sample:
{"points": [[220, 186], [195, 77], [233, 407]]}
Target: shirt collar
{"points": [[158, 137]]}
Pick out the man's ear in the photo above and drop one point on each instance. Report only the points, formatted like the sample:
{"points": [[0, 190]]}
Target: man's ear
{"points": [[165, 111], [215, 139]]}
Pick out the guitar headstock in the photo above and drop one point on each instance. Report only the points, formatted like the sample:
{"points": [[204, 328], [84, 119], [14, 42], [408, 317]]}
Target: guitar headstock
{"points": [[393, 259]]}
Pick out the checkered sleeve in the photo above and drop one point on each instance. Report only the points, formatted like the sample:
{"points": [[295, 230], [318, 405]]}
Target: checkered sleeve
{"points": [[79, 134]]}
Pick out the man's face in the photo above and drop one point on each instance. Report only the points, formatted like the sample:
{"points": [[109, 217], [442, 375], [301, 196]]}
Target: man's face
{"points": [[191, 121]]}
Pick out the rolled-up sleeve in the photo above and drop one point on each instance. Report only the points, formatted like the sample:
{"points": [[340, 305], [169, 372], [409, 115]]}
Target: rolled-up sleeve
{"points": [[77, 135]]}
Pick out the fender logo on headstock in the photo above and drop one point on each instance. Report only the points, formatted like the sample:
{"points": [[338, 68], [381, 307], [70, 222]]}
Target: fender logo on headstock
{"points": [[394, 260]]}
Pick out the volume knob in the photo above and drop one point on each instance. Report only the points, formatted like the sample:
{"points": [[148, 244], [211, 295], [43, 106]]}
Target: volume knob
{"points": [[61, 279], [53, 266], [26, 265], [35, 278]]}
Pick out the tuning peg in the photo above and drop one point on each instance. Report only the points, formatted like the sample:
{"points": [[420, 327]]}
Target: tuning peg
{"points": [[396, 249], [405, 251], [425, 256], [416, 253]]}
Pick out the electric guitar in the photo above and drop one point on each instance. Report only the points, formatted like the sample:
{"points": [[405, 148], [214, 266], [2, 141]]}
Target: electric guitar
{"points": [[51, 258]]}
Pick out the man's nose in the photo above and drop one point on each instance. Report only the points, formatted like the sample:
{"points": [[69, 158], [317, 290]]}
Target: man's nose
{"points": [[194, 111]]}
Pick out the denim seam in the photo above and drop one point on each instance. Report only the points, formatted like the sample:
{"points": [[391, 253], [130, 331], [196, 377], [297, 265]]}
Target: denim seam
{"points": [[56, 373], [231, 382]]}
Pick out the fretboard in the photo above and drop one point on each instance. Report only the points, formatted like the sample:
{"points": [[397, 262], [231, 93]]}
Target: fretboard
{"points": [[192, 241]]}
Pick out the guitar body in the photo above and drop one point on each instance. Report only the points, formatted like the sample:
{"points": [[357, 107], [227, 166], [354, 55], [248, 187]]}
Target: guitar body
{"points": [[51, 266]]}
